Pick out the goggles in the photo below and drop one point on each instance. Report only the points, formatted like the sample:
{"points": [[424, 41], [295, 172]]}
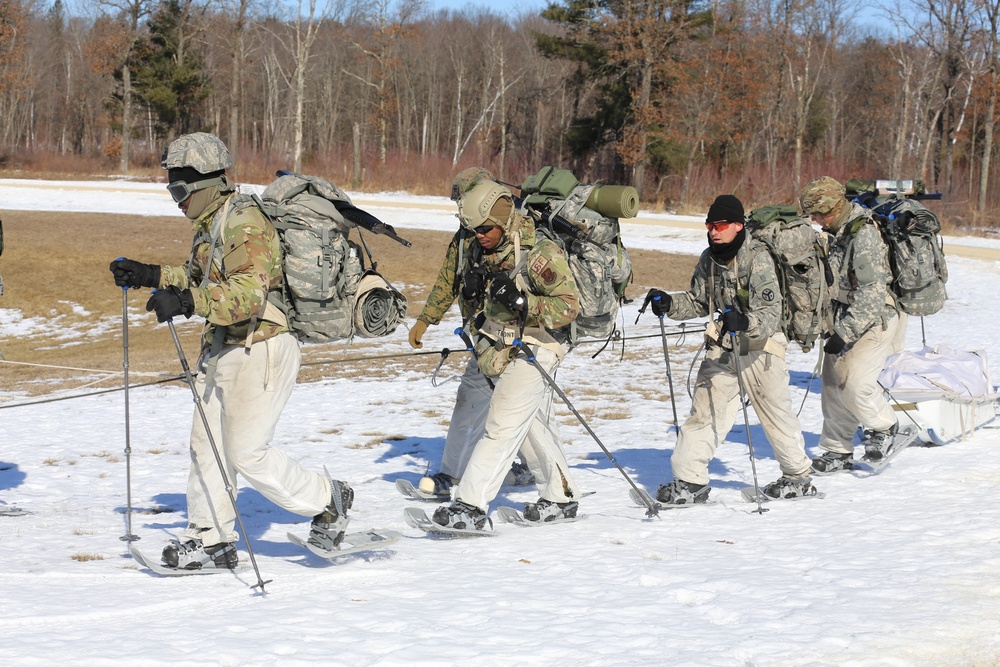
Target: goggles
{"points": [[482, 230], [180, 190], [719, 226]]}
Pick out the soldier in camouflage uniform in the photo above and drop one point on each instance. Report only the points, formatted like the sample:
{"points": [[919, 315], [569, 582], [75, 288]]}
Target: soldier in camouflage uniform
{"points": [[735, 275], [527, 292], [468, 418], [249, 359], [866, 329]]}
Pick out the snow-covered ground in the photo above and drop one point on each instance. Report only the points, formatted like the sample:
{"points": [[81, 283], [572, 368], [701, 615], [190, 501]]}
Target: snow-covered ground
{"points": [[902, 568]]}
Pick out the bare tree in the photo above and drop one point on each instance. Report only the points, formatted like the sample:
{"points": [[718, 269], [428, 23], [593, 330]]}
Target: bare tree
{"points": [[382, 53], [131, 13], [988, 14], [304, 29]]}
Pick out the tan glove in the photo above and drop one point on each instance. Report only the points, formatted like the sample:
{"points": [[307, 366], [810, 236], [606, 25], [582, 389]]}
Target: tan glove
{"points": [[416, 333]]}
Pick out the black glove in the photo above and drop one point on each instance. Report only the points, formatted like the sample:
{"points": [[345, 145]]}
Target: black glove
{"points": [[129, 273], [659, 302], [734, 320], [505, 292], [473, 283], [170, 302], [834, 344]]}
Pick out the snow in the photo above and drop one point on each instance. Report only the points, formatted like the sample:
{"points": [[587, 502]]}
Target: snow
{"points": [[902, 568]]}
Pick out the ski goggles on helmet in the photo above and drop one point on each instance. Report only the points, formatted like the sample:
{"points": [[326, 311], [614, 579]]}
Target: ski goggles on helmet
{"points": [[180, 190]]}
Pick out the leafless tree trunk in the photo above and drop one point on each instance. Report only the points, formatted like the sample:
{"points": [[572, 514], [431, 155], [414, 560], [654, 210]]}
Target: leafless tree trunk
{"points": [[133, 12], [990, 31]]}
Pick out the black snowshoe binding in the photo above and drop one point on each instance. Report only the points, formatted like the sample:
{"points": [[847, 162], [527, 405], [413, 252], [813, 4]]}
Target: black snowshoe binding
{"points": [[679, 492], [193, 555], [878, 444], [327, 529], [790, 487], [519, 475], [439, 484], [461, 516], [547, 510], [832, 462]]}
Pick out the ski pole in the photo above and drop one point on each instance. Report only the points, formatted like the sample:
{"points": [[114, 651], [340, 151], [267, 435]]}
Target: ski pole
{"points": [[215, 450], [652, 508], [128, 536], [746, 422], [666, 362], [901, 407]]}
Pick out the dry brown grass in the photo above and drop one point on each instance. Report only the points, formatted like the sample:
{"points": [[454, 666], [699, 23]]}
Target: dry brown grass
{"points": [[84, 557], [55, 268]]}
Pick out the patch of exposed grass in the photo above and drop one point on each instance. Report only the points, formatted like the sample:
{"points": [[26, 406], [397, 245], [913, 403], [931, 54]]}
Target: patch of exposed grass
{"points": [[369, 444], [84, 557], [51, 462]]}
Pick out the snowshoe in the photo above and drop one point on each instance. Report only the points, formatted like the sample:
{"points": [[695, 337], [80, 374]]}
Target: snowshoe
{"points": [[790, 487], [460, 515], [679, 492], [878, 443], [327, 529], [547, 510], [193, 555], [831, 462]]}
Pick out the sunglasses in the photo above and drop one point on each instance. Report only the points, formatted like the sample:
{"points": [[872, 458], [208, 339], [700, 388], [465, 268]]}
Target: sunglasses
{"points": [[719, 226], [180, 190], [483, 230]]}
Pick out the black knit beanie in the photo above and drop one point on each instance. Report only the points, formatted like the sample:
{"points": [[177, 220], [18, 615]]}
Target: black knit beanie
{"points": [[725, 208]]}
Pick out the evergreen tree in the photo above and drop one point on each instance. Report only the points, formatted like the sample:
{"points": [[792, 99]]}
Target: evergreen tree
{"points": [[170, 76]]}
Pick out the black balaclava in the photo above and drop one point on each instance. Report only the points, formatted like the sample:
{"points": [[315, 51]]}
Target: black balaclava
{"points": [[726, 208]]}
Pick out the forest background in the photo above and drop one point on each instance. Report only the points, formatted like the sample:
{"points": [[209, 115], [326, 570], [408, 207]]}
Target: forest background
{"points": [[683, 99]]}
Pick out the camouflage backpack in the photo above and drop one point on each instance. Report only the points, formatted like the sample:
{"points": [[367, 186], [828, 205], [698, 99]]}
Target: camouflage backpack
{"points": [[916, 253], [583, 220], [803, 271], [328, 294]]}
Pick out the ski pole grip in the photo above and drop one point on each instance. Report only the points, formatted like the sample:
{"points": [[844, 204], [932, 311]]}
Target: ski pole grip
{"points": [[124, 287]]}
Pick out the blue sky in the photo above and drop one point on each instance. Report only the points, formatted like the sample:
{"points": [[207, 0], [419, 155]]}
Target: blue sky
{"points": [[533, 5]]}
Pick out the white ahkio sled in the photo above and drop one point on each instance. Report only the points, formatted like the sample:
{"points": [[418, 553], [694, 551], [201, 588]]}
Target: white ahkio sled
{"points": [[948, 393]]}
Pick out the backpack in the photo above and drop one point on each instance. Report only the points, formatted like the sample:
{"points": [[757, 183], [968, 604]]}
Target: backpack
{"points": [[804, 274], [583, 220], [328, 294], [916, 253]]}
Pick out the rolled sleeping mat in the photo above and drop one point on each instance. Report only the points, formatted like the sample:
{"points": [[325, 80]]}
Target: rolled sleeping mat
{"points": [[614, 201], [378, 307]]}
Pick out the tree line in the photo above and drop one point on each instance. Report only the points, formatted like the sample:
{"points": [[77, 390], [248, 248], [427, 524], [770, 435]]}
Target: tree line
{"points": [[681, 98]]}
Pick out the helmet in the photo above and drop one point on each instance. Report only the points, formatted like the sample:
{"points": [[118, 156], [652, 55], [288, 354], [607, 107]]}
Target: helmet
{"points": [[467, 179], [201, 151], [821, 195], [484, 203]]}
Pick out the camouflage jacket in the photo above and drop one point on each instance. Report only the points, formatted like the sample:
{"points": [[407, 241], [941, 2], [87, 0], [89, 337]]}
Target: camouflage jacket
{"points": [[552, 294], [246, 265], [860, 260], [448, 285], [748, 284]]}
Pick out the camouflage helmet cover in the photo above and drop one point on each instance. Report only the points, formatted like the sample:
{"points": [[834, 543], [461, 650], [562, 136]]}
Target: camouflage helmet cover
{"points": [[468, 179], [482, 203], [821, 195], [201, 151]]}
